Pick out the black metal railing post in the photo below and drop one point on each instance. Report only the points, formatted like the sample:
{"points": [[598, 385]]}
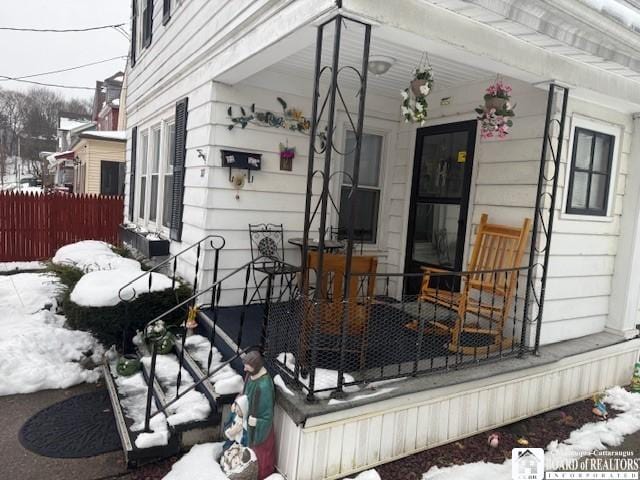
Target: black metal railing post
{"points": [[539, 218], [151, 380]]}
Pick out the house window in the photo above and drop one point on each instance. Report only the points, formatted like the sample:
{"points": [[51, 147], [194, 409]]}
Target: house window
{"points": [[147, 22], [155, 174], [367, 195], [168, 175], [590, 176], [144, 147]]}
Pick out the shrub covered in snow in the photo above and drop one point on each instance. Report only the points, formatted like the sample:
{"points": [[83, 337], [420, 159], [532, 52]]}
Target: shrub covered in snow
{"points": [[107, 323], [92, 255]]}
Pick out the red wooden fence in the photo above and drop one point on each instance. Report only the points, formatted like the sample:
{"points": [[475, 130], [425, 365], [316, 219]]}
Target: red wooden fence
{"points": [[34, 226]]}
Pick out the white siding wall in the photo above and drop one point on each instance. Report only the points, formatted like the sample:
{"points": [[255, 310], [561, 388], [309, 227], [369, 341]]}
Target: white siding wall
{"points": [[504, 184]]}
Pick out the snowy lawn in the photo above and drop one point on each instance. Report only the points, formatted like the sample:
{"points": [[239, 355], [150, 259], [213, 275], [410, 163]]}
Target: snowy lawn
{"points": [[20, 266], [36, 351]]}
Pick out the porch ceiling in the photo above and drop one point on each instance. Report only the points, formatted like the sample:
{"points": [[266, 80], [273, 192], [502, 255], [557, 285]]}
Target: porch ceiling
{"points": [[447, 72]]}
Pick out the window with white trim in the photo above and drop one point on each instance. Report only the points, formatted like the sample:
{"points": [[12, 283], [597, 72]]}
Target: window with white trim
{"points": [[591, 172], [154, 173], [367, 194]]}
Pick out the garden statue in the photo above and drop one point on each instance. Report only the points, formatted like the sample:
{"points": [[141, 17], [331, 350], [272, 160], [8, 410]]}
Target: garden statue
{"points": [[635, 380], [235, 430], [599, 409], [239, 463], [258, 388]]}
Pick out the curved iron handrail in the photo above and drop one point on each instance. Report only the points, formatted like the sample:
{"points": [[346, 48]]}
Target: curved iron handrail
{"points": [[172, 258]]}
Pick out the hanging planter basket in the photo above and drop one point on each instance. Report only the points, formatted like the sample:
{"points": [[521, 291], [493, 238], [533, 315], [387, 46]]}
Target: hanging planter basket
{"points": [[496, 113], [414, 98], [416, 84]]}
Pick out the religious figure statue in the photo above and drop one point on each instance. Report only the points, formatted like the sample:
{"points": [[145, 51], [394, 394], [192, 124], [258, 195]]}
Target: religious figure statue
{"points": [[235, 430], [258, 388]]}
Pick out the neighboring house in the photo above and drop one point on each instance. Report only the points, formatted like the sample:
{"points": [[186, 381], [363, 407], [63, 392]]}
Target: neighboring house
{"points": [[61, 163], [106, 102], [423, 188], [98, 158]]}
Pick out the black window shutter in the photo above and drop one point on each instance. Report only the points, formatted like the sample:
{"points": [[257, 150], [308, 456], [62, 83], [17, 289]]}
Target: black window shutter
{"points": [[148, 23], [166, 11], [132, 173], [134, 31], [179, 169]]}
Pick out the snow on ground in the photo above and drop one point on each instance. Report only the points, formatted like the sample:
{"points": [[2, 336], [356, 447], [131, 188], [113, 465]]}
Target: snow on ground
{"points": [[20, 266], [36, 351], [93, 255], [200, 464], [100, 288], [592, 436], [193, 406], [226, 381]]}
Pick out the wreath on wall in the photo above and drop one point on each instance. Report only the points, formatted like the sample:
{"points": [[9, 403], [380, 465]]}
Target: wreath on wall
{"points": [[414, 98]]}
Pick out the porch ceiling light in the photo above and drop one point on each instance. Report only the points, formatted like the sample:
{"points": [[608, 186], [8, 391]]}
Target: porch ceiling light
{"points": [[380, 64]]}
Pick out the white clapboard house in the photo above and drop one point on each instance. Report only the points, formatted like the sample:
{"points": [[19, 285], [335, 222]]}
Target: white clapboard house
{"points": [[219, 93]]}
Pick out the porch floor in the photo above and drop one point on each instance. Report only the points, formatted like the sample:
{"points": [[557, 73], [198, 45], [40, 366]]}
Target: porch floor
{"points": [[390, 356]]}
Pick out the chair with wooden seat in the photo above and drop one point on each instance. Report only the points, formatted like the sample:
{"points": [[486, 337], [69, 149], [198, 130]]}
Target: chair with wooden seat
{"points": [[332, 306], [487, 294]]}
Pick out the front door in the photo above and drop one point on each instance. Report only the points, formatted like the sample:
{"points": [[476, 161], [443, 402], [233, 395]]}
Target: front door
{"points": [[439, 199]]}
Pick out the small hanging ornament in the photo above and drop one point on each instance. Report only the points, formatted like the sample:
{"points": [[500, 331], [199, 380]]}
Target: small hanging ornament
{"points": [[414, 98], [495, 115], [286, 157]]}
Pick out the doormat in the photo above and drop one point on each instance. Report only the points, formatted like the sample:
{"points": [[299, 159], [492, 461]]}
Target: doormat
{"points": [[82, 426]]}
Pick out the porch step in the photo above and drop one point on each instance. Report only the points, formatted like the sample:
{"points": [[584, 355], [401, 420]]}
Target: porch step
{"points": [[133, 455]]}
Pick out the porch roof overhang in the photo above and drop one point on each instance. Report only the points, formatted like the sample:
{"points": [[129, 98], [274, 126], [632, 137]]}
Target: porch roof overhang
{"points": [[538, 44]]}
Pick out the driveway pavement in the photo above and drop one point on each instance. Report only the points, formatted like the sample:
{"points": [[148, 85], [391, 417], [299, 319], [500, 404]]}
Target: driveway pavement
{"points": [[21, 464]]}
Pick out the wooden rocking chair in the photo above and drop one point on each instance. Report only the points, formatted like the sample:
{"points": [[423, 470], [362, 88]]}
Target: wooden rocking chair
{"points": [[330, 306], [486, 296]]}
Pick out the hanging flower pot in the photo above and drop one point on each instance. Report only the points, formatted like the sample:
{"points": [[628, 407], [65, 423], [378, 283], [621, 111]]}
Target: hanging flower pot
{"points": [[495, 115], [494, 102], [414, 107], [416, 85]]}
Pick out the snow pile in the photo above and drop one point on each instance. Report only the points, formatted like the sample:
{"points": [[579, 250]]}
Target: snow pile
{"points": [[106, 273], [279, 382], [20, 266], [193, 406], [133, 391], [100, 288], [366, 475], [92, 255], [36, 351], [592, 436], [226, 381], [324, 379], [199, 464]]}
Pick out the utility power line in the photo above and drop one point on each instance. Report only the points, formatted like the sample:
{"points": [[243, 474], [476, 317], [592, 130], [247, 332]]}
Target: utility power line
{"points": [[6, 79], [46, 84], [63, 30]]}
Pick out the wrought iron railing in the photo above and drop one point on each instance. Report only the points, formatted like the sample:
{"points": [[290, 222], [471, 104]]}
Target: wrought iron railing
{"points": [[326, 344]]}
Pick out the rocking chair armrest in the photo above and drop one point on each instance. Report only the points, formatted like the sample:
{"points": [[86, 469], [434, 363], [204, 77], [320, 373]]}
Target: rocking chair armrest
{"points": [[434, 270]]}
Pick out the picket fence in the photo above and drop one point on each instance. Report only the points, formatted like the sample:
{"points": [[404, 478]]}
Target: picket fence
{"points": [[33, 226]]}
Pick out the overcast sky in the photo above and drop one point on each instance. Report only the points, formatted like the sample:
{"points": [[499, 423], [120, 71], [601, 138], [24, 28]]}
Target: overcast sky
{"points": [[24, 53]]}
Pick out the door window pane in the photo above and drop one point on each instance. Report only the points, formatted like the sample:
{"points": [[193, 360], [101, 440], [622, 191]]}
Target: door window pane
{"points": [[435, 234], [442, 165]]}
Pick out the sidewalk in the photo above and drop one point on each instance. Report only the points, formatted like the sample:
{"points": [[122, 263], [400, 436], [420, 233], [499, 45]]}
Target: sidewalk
{"points": [[19, 463]]}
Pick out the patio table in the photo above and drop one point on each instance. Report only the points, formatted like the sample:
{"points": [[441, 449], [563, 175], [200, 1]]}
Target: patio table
{"points": [[329, 245]]}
